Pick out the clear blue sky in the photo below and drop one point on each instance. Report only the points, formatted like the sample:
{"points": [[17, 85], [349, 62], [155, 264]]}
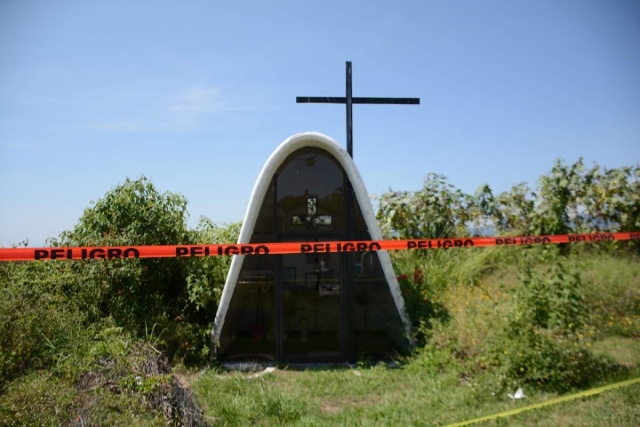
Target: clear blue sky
{"points": [[196, 95]]}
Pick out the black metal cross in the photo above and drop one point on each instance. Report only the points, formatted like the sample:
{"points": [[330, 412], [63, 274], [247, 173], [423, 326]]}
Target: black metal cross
{"points": [[311, 219], [349, 100]]}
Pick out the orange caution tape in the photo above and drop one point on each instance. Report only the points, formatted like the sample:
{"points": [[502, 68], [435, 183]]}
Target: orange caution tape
{"points": [[172, 251]]}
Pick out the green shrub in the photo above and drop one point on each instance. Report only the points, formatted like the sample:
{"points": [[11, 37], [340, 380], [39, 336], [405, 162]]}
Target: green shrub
{"points": [[178, 296], [132, 291], [39, 324], [546, 341], [551, 299], [548, 360], [437, 210], [206, 275], [420, 305], [46, 305], [568, 199]]}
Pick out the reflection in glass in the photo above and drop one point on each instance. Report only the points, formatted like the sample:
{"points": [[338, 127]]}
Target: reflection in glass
{"points": [[310, 193], [310, 219]]}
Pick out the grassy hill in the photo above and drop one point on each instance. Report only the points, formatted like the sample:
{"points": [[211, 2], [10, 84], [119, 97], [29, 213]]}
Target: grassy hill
{"points": [[126, 342]]}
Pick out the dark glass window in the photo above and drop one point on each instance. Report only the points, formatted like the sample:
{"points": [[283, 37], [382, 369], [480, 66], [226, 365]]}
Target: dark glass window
{"points": [[378, 326], [265, 221], [312, 309], [310, 193], [249, 331]]}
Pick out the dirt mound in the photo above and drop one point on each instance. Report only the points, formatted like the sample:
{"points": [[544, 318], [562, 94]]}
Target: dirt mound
{"points": [[143, 375]]}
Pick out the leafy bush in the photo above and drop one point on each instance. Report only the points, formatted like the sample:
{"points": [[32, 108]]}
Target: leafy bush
{"points": [[545, 342], [40, 324], [551, 300], [46, 303], [133, 291], [206, 276], [438, 210], [178, 297], [571, 198], [420, 304], [568, 199]]}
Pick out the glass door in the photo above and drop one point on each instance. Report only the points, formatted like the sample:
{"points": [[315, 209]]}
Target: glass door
{"points": [[311, 306]]}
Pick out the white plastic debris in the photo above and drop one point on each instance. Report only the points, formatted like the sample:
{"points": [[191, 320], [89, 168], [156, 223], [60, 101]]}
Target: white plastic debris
{"points": [[518, 395], [256, 375], [261, 373]]}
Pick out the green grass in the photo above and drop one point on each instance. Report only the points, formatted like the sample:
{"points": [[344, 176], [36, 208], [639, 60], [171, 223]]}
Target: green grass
{"points": [[620, 350], [411, 395], [453, 378]]}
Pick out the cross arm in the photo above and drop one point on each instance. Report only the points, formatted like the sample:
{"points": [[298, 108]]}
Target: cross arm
{"points": [[356, 100]]}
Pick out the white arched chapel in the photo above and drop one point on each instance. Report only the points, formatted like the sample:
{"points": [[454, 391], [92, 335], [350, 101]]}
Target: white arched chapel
{"points": [[320, 307]]}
